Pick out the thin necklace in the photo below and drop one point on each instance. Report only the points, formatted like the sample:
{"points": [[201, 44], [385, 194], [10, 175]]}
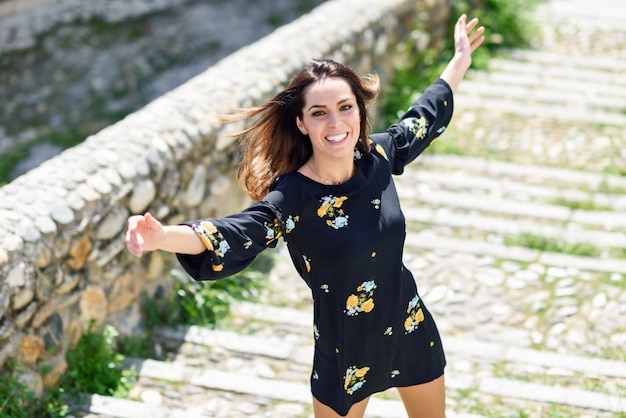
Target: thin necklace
{"points": [[327, 181]]}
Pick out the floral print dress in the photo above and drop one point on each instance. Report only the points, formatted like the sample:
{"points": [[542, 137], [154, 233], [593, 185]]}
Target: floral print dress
{"points": [[371, 328]]}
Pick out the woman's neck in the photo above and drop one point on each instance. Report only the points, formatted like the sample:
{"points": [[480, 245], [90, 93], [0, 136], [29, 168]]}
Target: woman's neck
{"points": [[329, 173]]}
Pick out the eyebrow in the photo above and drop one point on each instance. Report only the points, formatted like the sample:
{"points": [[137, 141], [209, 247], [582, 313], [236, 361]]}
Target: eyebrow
{"points": [[339, 102]]}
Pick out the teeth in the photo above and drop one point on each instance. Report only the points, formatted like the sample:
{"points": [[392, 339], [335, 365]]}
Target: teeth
{"points": [[336, 138]]}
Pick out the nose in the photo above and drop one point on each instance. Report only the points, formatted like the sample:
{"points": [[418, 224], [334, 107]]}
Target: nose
{"points": [[334, 119]]}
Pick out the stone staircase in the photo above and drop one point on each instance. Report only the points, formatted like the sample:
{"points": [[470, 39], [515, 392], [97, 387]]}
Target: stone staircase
{"points": [[529, 331]]}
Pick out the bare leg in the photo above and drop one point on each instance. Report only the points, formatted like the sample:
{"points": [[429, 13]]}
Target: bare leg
{"points": [[322, 411], [427, 400]]}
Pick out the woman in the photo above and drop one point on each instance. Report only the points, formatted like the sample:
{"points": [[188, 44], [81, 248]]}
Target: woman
{"points": [[325, 186]]}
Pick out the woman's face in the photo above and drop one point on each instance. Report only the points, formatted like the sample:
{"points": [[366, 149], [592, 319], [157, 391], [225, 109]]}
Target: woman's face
{"points": [[331, 118]]}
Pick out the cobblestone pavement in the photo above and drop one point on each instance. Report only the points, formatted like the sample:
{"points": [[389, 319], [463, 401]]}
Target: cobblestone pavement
{"points": [[517, 244]]}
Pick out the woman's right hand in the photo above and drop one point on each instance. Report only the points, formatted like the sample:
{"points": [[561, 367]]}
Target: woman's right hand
{"points": [[144, 233]]}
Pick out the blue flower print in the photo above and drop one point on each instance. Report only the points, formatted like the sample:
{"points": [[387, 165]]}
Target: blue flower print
{"points": [[331, 208], [417, 127], [290, 223]]}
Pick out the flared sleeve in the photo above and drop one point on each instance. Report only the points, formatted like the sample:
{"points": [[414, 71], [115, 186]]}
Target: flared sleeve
{"points": [[426, 119], [232, 242]]}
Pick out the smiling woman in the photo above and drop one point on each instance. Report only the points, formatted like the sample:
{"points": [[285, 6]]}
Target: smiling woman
{"points": [[325, 186]]}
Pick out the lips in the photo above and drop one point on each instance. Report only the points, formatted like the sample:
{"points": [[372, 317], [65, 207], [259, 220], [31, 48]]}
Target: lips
{"points": [[337, 138]]}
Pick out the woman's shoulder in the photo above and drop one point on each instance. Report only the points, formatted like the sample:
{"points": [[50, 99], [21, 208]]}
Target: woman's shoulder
{"points": [[283, 189]]}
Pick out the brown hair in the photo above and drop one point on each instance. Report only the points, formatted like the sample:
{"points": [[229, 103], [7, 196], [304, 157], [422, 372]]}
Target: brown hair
{"points": [[272, 145]]}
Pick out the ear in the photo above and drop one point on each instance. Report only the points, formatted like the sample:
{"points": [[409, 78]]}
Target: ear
{"points": [[300, 125]]}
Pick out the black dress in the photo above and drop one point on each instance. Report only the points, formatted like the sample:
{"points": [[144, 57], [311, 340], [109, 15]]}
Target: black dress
{"points": [[372, 330]]}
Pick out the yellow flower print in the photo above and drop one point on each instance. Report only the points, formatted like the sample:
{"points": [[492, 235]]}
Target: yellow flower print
{"points": [[381, 151], [408, 322], [214, 241], [367, 306], [354, 379], [417, 127], [330, 202], [331, 208], [416, 315], [307, 263], [363, 301], [419, 315], [209, 227], [361, 372], [352, 301]]}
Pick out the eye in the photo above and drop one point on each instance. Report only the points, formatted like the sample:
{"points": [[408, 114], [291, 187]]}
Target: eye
{"points": [[346, 107], [318, 113]]}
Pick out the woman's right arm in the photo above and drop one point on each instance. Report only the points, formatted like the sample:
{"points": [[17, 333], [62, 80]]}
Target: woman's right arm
{"points": [[146, 233]]}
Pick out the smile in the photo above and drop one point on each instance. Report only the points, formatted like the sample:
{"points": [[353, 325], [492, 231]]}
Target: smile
{"points": [[337, 138]]}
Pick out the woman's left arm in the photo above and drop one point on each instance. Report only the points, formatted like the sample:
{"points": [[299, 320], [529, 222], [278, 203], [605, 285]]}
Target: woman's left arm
{"points": [[466, 41]]}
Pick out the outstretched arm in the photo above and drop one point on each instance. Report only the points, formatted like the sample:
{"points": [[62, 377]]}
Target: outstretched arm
{"points": [[145, 233], [466, 41]]}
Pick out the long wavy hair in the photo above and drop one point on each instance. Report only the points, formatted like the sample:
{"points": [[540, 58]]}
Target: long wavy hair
{"points": [[272, 145]]}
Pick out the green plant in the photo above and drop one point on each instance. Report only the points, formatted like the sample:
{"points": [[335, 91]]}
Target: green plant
{"points": [[139, 346], [204, 303], [16, 399], [507, 25], [95, 367]]}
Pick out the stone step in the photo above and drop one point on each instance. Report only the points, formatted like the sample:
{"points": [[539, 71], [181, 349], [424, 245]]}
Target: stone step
{"points": [[556, 75], [445, 217], [534, 90], [509, 207], [526, 58], [495, 352], [544, 111], [247, 344], [529, 174], [553, 394], [431, 241], [108, 406], [429, 177], [607, 15], [235, 383], [377, 407], [492, 351]]}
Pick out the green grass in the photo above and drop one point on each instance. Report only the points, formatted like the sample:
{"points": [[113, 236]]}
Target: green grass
{"points": [[557, 245], [588, 205]]}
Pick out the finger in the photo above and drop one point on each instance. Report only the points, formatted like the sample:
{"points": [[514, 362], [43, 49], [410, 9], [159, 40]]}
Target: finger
{"points": [[476, 34], [459, 28], [477, 43], [472, 24], [134, 240]]}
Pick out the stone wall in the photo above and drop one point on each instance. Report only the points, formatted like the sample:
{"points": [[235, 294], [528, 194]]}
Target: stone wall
{"points": [[19, 29], [62, 253]]}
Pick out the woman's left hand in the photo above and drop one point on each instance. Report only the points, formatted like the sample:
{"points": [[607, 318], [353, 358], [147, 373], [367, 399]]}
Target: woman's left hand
{"points": [[466, 39]]}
